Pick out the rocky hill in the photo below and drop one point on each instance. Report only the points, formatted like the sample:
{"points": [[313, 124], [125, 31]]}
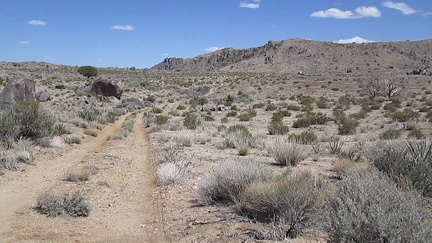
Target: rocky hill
{"points": [[307, 56]]}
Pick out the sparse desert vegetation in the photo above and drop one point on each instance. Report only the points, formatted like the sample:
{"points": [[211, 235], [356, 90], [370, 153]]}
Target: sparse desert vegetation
{"points": [[327, 155]]}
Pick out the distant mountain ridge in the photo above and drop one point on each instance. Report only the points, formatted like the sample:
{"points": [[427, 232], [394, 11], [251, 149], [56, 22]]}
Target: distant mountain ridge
{"points": [[308, 56]]}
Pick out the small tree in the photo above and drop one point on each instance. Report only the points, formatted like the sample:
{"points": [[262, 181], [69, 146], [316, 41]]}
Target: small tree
{"points": [[88, 71], [389, 87]]}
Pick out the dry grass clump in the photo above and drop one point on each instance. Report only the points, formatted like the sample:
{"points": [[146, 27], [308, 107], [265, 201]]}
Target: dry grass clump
{"points": [[174, 166], [91, 132], [371, 208], [226, 181], [293, 202], [185, 138], [71, 203], [286, 152], [73, 139], [22, 153], [345, 166], [75, 175]]}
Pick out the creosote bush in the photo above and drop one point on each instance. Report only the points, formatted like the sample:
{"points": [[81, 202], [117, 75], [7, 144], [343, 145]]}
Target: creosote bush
{"points": [[293, 202], [192, 121], [26, 120], [72, 203], [409, 164], [371, 208], [226, 181]]}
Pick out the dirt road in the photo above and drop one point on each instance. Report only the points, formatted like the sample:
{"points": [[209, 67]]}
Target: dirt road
{"points": [[126, 206]]}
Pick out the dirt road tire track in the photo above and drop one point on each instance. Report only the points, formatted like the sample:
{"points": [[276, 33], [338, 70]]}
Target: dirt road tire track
{"points": [[145, 217]]}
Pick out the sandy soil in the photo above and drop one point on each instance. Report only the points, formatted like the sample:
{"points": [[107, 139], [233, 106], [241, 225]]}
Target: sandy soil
{"points": [[126, 205]]}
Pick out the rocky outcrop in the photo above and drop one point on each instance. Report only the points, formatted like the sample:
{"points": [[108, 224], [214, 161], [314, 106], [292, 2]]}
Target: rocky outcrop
{"points": [[17, 89], [106, 87], [310, 56]]}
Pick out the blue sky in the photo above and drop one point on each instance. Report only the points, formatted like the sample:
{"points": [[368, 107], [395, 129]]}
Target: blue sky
{"points": [[141, 33]]}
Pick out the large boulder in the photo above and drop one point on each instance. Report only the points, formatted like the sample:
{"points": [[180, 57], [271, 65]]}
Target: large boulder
{"points": [[17, 89], [105, 87], [43, 96]]}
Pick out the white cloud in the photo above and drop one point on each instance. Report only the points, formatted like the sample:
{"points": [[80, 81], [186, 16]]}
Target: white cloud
{"points": [[24, 42], [426, 14], [36, 22], [356, 39], [360, 12], [368, 12], [403, 7], [123, 27], [249, 5], [213, 48]]}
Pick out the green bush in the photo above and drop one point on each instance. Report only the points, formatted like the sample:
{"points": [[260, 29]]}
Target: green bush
{"points": [[161, 119], [226, 181], [88, 71], [89, 114], [53, 205], [26, 120], [278, 128], [305, 137], [192, 121], [348, 126], [231, 114], [390, 134], [293, 202], [409, 164], [310, 119], [271, 107], [371, 208]]}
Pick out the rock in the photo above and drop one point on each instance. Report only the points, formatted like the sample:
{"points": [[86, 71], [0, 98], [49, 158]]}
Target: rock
{"points": [[17, 89], [114, 100], [223, 108], [209, 107], [105, 87], [43, 96]]}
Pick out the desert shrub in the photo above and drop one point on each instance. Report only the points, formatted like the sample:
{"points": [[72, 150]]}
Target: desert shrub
{"points": [[128, 124], [89, 114], [404, 116], [91, 132], [305, 137], [407, 163], [157, 110], [310, 119], [185, 138], [390, 134], [88, 71], [292, 201], [345, 167], [292, 107], [226, 181], [181, 107], [277, 127], [361, 114], [348, 126], [334, 145], [73, 139], [207, 118], [323, 103], [416, 133], [161, 119], [239, 137], [26, 120], [271, 107], [23, 153], [151, 98], [198, 100], [192, 121], [371, 208], [258, 105], [148, 119], [75, 175], [429, 116], [53, 205], [174, 167], [286, 152], [231, 114]]}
